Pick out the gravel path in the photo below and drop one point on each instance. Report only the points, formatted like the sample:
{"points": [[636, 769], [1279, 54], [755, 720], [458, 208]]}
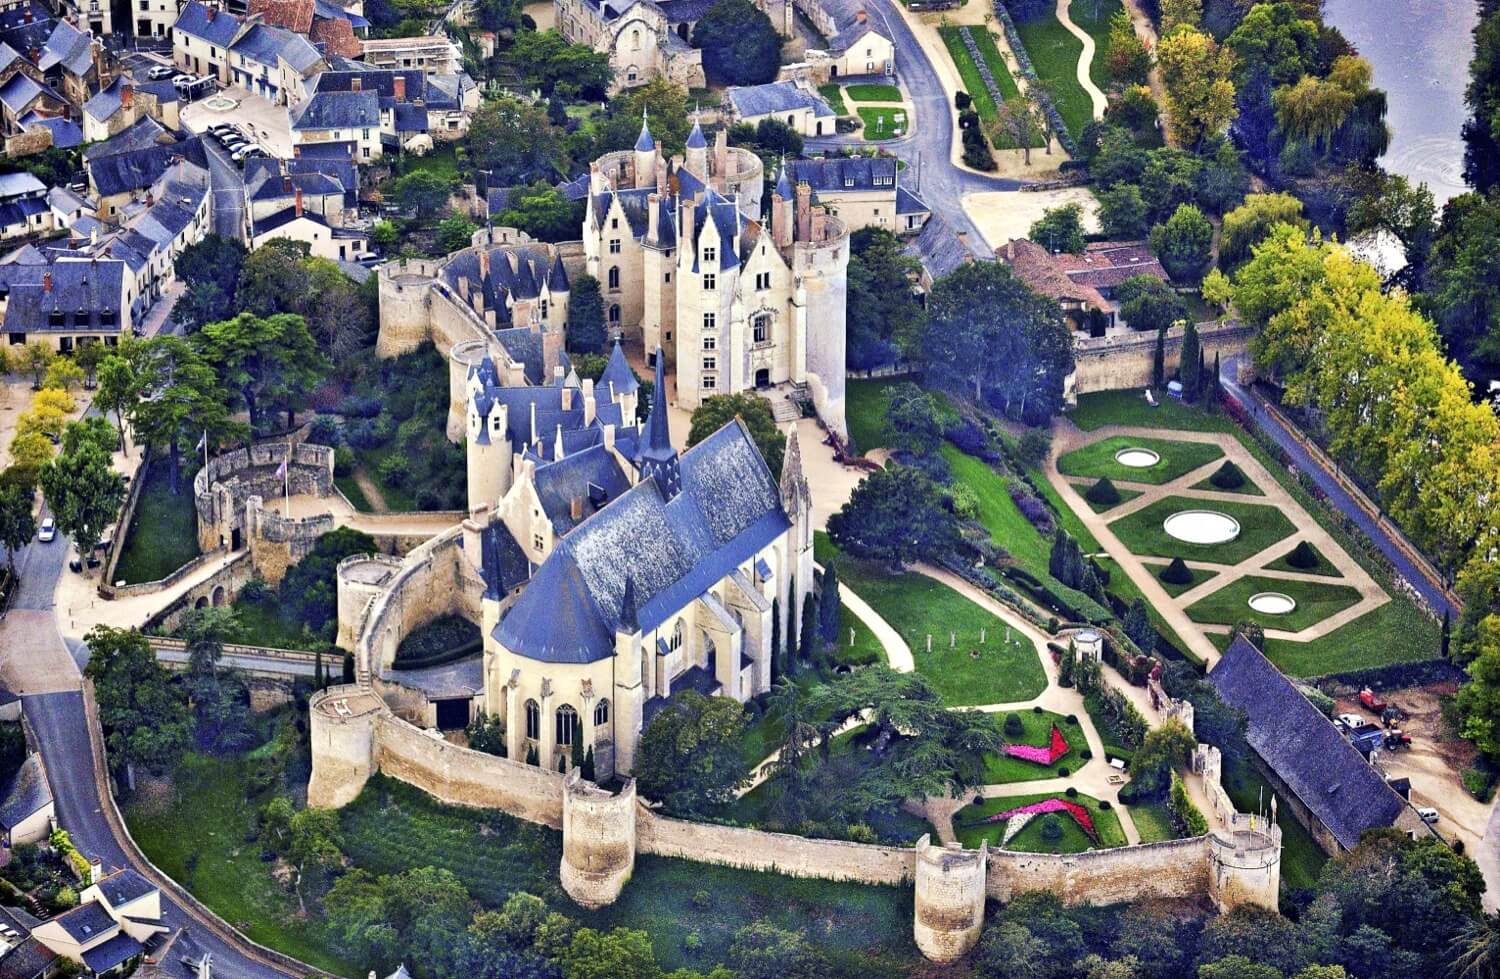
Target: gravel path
{"points": [[1085, 59]]}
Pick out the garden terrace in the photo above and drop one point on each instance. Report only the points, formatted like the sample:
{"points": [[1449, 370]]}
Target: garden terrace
{"points": [[1030, 840], [1037, 730], [1315, 601], [1175, 460]]}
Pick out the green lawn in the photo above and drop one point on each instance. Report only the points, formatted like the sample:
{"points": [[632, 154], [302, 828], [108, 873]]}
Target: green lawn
{"points": [[1260, 527], [1397, 632], [1009, 527], [1323, 567], [1054, 54], [1066, 518], [1316, 601], [199, 840], [1123, 588], [1004, 769], [441, 160], [1126, 495], [1153, 821], [970, 672], [833, 94], [1200, 575], [865, 406], [882, 122], [1094, 17], [874, 93], [265, 624], [1177, 459], [1074, 840], [968, 73], [353, 493], [1301, 858], [865, 649], [163, 532]]}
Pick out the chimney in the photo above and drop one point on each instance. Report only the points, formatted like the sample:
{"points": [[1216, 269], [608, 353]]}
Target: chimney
{"points": [[804, 211], [297, 201], [35, 54], [356, 84], [297, 152], [567, 394], [686, 240], [286, 183], [400, 82], [781, 224], [575, 508], [484, 265], [819, 225], [213, 12], [653, 222], [26, 18], [860, 17], [127, 96], [47, 281], [721, 159]]}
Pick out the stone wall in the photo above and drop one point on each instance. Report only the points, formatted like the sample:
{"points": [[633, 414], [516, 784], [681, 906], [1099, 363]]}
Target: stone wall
{"points": [[949, 899], [435, 579], [277, 542], [1177, 868], [222, 488], [224, 584], [1125, 360]]}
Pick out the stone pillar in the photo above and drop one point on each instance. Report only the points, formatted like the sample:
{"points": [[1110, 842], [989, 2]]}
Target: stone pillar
{"points": [[598, 841], [547, 735], [515, 722], [949, 898]]}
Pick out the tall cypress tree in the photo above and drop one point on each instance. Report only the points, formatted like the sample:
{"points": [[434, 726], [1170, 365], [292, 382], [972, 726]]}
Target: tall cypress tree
{"points": [[828, 605], [1187, 364], [791, 629], [319, 680], [812, 642], [778, 665]]}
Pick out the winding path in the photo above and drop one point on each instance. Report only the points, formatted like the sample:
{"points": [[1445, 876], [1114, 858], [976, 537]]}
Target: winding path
{"points": [[1085, 59]]}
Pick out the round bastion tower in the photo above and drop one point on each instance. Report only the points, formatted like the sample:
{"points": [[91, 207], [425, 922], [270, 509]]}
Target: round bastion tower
{"points": [[598, 840], [949, 902]]}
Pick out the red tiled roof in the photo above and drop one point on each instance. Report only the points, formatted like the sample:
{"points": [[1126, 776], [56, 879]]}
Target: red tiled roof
{"points": [[294, 15]]}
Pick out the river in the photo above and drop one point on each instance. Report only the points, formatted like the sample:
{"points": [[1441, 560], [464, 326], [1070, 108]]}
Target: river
{"points": [[1420, 50]]}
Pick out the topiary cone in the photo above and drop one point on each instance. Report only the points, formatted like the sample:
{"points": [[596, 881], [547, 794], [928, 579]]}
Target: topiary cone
{"points": [[1303, 556], [1177, 573]]}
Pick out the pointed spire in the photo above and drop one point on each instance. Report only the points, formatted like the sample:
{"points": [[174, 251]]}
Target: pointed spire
{"points": [[618, 373], [695, 140], [784, 182], [644, 143], [656, 457], [629, 620], [794, 488]]}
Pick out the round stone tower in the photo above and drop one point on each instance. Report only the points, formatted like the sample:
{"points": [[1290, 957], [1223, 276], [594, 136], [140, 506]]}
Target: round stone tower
{"points": [[359, 579], [463, 356], [405, 288], [949, 898], [342, 731], [598, 840], [1245, 863]]}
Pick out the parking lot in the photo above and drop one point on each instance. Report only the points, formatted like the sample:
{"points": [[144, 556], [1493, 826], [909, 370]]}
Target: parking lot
{"points": [[262, 120]]}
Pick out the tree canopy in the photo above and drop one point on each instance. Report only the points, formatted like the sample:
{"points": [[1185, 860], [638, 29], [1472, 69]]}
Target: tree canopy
{"points": [[739, 43], [718, 410]]}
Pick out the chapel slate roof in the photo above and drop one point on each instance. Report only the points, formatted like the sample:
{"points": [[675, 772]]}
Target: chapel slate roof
{"points": [[503, 565], [1303, 747], [27, 793], [592, 476], [670, 551], [762, 100]]}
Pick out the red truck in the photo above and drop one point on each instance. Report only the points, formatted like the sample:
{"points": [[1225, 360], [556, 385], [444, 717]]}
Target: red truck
{"points": [[1371, 701]]}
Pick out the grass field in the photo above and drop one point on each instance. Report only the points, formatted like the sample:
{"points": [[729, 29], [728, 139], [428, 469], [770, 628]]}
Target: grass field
{"points": [[1038, 727], [968, 73], [1397, 632], [1123, 588], [1316, 601], [874, 93], [265, 624], [353, 493], [833, 94], [882, 122], [917, 606], [1074, 840], [1066, 518], [1054, 54], [163, 532], [1009, 527], [1177, 459], [1260, 527], [1323, 567], [865, 413], [215, 861], [1094, 17], [1153, 822]]}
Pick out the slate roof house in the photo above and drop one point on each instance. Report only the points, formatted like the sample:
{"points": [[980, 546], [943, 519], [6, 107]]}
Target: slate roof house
{"points": [[798, 107], [23, 206], [381, 109], [1323, 778], [107, 932], [26, 810], [863, 192], [64, 300]]}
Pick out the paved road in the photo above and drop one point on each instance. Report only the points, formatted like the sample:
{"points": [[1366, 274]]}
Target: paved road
{"points": [[228, 209], [927, 151], [58, 720], [1336, 493]]}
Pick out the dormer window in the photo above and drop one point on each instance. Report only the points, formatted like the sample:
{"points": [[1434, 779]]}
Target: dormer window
{"points": [[56, 319], [709, 253], [848, 181], [107, 318]]}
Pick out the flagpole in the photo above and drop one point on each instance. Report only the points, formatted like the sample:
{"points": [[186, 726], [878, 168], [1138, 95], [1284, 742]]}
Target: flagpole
{"points": [[286, 479]]}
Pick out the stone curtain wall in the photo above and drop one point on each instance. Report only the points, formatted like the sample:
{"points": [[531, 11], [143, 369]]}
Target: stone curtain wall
{"points": [[435, 579], [1125, 360], [1177, 868], [231, 577], [221, 489]]}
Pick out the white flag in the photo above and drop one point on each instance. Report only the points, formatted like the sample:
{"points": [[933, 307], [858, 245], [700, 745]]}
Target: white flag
{"points": [[202, 442], [281, 469]]}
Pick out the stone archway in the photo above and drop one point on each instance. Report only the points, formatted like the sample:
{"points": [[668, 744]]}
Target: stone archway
{"points": [[219, 596], [202, 602]]}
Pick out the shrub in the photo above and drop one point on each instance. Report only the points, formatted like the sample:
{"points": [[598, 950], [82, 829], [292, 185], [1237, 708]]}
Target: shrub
{"points": [[384, 427], [395, 470], [1013, 725], [343, 461], [1103, 493], [1052, 830], [325, 430], [1037, 709], [1105, 805], [1303, 556], [1086, 754], [1073, 719], [1228, 477], [1072, 792], [1064, 772], [1034, 445], [692, 943], [970, 439], [360, 433], [1031, 507], [1052, 625], [1480, 784], [1177, 573], [359, 406], [702, 900], [965, 501], [962, 101]]}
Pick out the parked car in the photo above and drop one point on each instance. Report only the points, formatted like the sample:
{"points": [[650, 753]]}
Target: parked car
{"points": [[1429, 815], [160, 72], [181, 80], [1350, 721], [47, 531], [244, 153]]}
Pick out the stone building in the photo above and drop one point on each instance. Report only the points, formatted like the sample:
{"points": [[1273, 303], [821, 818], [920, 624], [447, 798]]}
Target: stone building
{"points": [[644, 39], [739, 295]]}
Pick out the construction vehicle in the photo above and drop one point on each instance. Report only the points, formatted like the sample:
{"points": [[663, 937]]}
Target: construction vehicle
{"points": [[1395, 739], [1372, 701]]}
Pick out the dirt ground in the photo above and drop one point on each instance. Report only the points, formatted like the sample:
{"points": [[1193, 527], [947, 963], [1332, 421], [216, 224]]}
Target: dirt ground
{"points": [[1435, 761], [1006, 214]]}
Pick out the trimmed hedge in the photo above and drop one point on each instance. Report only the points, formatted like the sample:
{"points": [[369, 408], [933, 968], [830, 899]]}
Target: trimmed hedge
{"points": [[1228, 476], [1104, 493], [1303, 556]]}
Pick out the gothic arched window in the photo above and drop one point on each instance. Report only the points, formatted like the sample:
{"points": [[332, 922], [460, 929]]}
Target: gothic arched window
{"points": [[567, 724], [533, 720], [601, 712]]}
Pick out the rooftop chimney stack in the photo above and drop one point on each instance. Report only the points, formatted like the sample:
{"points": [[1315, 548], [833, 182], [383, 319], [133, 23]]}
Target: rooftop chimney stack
{"points": [[297, 202], [127, 96], [653, 221], [804, 211], [47, 281], [286, 183], [356, 84], [400, 82]]}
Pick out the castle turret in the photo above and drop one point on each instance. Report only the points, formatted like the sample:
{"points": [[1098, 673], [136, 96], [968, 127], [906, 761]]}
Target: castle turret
{"points": [[598, 841], [949, 898], [656, 456], [697, 151], [645, 156]]}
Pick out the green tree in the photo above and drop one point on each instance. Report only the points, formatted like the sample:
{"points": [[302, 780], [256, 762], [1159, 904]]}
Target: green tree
{"points": [[884, 315], [1196, 73], [175, 398], [88, 356], [1248, 225], [1180, 13], [1273, 39], [37, 356], [740, 45], [1060, 229], [16, 522], [689, 756], [663, 104], [1021, 122], [454, 232], [811, 649], [514, 141], [1464, 257], [621, 953], [1122, 212], [116, 390], [83, 493], [1148, 303], [761, 950], [383, 235], [145, 716], [273, 278], [1238, 967], [829, 604], [914, 419], [718, 410], [92, 430], [1481, 131], [585, 329], [1315, 109], [987, 332], [264, 359], [1164, 748], [1189, 363], [896, 514], [1138, 625], [1128, 59], [1184, 243], [547, 60], [545, 214], [215, 693], [211, 268], [424, 191]]}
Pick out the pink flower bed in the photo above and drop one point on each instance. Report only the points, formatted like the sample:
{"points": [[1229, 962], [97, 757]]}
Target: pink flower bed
{"points": [[1057, 747], [1079, 813]]}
